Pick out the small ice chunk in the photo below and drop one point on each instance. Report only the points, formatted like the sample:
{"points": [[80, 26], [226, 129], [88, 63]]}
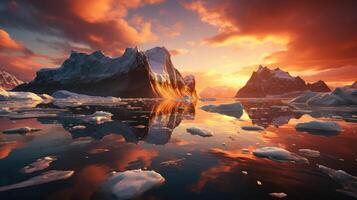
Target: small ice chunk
{"points": [[39, 164], [233, 109], [278, 195], [245, 151], [98, 117], [319, 126], [131, 183], [45, 177], [78, 127], [98, 151], [172, 162], [199, 131], [253, 128], [348, 182], [278, 154], [22, 130], [309, 152]]}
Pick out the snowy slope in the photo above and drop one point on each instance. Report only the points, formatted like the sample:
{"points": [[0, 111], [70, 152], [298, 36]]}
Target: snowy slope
{"points": [[8, 81]]}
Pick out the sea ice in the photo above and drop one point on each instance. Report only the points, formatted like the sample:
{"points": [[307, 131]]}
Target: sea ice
{"points": [[278, 154], [45, 177], [98, 117], [78, 127], [233, 109], [63, 98], [199, 131], [309, 152], [131, 183], [22, 130], [319, 127], [253, 128], [39, 164], [278, 194]]}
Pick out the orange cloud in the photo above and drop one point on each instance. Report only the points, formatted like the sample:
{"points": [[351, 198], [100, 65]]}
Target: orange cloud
{"points": [[6, 42], [99, 24], [16, 58], [176, 52], [317, 35]]}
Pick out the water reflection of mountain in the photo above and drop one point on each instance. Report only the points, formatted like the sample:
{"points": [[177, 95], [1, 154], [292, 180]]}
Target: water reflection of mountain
{"points": [[150, 121], [269, 113]]}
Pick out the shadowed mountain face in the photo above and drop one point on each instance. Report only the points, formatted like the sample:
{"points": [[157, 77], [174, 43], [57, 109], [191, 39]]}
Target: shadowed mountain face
{"points": [[265, 82], [135, 74], [150, 121]]}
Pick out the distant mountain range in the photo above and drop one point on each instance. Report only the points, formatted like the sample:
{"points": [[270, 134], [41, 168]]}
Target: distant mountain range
{"points": [[266, 82], [134, 74], [8, 81]]}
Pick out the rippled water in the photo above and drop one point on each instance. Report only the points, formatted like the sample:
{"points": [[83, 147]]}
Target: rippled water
{"points": [[151, 135]]}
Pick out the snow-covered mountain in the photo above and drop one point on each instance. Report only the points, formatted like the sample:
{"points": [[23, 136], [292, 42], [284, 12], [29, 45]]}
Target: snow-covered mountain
{"points": [[134, 74], [8, 81], [318, 86], [266, 82]]}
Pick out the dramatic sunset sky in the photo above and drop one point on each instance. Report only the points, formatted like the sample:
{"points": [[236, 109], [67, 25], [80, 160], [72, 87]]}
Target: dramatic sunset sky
{"points": [[221, 42]]}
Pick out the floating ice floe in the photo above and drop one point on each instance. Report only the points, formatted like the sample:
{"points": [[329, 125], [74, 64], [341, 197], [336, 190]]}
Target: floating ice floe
{"points": [[8, 96], [348, 181], [309, 152], [199, 131], [278, 195], [46, 177], [63, 98], [279, 154], [98, 117], [131, 183], [319, 127], [233, 109], [340, 96], [78, 127], [39, 164], [22, 130], [98, 151], [172, 162], [252, 128]]}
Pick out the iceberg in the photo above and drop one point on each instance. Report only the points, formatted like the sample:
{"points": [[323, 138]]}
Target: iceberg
{"points": [[278, 154], [199, 131], [252, 128], [131, 183], [233, 109], [22, 130], [319, 127], [39, 164]]}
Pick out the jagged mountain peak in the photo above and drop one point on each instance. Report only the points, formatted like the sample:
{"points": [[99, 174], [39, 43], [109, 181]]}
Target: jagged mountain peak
{"points": [[134, 74], [8, 81], [274, 82]]}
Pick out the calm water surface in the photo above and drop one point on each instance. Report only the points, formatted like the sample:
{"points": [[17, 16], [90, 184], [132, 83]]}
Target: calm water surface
{"points": [[152, 135]]}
